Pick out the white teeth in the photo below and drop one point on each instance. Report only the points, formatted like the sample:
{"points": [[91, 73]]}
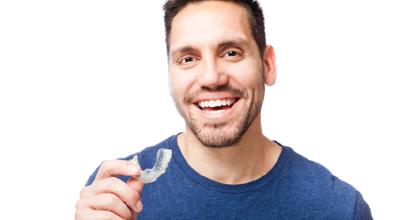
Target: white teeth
{"points": [[216, 103]]}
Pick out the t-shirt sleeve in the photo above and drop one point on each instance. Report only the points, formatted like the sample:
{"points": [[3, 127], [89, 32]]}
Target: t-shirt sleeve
{"points": [[361, 209], [92, 177]]}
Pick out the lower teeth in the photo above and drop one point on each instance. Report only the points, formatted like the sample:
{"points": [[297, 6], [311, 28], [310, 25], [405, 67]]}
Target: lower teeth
{"points": [[216, 108]]}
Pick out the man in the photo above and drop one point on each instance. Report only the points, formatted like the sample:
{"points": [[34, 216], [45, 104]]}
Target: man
{"points": [[223, 167]]}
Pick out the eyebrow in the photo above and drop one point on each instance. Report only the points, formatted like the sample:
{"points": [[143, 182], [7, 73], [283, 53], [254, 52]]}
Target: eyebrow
{"points": [[224, 44], [184, 49], [233, 42]]}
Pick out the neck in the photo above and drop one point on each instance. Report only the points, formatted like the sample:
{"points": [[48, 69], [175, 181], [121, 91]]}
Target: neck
{"points": [[246, 161]]}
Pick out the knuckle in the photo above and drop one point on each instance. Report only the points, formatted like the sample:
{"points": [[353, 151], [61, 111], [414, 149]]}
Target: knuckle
{"points": [[84, 191], [79, 205], [105, 165], [109, 216], [111, 200], [77, 215], [113, 182], [80, 214]]}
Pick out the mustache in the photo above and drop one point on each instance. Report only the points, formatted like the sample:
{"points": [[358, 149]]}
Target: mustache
{"points": [[223, 88]]}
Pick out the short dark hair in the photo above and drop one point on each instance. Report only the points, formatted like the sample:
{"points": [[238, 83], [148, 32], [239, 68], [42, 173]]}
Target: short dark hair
{"points": [[254, 11]]}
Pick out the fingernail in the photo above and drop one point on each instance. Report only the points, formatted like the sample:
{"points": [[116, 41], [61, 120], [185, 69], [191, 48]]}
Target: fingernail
{"points": [[139, 206]]}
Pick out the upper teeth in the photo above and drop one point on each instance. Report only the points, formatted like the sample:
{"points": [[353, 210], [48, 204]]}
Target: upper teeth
{"points": [[216, 103]]}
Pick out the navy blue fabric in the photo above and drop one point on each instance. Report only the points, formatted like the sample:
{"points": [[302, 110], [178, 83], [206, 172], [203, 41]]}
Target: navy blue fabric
{"points": [[295, 188]]}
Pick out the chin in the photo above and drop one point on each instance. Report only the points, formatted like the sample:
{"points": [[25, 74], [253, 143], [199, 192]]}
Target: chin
{"points": [[218, 135]]}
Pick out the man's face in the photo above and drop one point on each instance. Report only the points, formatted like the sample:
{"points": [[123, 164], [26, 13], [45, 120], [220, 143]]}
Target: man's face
{"points": [[216, 71]]}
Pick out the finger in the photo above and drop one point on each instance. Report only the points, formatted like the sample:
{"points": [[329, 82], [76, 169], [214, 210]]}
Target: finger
{"points": [[112, 168], [90, 214], [109, 202], [136, 184], [117, 187], [134, 215]]}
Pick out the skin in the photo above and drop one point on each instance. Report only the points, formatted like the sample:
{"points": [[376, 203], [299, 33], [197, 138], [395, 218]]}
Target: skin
{"points": [[110, 198], [211, 49], [212, 55]]}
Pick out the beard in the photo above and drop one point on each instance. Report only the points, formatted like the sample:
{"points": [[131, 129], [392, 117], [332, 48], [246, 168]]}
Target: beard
{"points": [[218, 135]]}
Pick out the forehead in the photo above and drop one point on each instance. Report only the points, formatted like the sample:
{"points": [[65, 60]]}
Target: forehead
{"points": [[209, 23]]}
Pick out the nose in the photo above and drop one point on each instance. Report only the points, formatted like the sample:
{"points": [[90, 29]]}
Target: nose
{"points": [[212, 76]]}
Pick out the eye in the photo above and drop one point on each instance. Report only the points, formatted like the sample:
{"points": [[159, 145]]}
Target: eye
{"points": [[186, 60], [232, 55]]}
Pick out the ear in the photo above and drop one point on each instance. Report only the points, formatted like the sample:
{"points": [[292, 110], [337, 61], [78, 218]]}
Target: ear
{"points": [[270, 68]]}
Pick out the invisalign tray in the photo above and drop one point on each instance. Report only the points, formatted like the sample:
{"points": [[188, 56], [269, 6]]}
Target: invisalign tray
{"points": [[163, 157]]}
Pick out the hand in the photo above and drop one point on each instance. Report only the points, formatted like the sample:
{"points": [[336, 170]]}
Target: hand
{"points": [[109, 197]]}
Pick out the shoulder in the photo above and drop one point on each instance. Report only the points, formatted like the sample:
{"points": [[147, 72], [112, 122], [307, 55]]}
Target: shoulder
{"points": [[307, 172], [319, 188]]}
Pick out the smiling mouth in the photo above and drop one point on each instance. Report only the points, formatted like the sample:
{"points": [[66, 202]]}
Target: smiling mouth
{"points": [[216, 104]]}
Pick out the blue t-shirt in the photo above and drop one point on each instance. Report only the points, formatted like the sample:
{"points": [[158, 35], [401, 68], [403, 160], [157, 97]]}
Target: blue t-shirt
{"points": [[295, 188]]}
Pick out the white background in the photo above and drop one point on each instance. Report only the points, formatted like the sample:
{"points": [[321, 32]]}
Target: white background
{"points": [[82, 81]]}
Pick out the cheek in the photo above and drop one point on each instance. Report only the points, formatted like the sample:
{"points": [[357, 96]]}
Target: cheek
{"points": [[179, 84], [247, 74]]}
